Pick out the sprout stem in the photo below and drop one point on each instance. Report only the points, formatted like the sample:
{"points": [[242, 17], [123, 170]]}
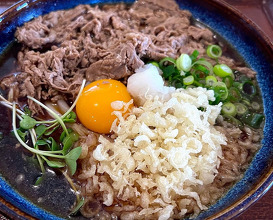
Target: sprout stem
{"points": [[35, 151], [57, 117]]}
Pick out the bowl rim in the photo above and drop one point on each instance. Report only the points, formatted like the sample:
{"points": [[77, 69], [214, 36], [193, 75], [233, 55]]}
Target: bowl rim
{"points": [[266, 182], [236, 208]]}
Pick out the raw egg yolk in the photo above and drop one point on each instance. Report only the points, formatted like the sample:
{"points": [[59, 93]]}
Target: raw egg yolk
{"points": [[94, 104]]}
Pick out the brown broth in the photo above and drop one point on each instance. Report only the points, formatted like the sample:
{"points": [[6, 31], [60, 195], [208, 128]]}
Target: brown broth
{"points": [[54, 194]]}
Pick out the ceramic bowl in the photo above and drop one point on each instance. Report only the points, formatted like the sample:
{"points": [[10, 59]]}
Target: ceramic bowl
{"points": [[240, 32]]}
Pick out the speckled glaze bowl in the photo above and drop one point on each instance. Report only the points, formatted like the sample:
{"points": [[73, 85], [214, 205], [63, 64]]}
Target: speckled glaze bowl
{"points": [[241, 33]]}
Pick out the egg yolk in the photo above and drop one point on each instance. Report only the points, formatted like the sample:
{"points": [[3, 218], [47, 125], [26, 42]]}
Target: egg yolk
{"points": [[94, 104]]}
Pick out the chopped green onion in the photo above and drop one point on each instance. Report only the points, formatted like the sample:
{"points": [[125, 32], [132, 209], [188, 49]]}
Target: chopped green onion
{"points": [[228, 80], [254, 120], [256, 106], [214, 51], [239, 105], [241, 109], [222, 90], [217, 99], [234, 121], [202, 70], [238, 85], [188, 80], [178, 85], [194, 55], [244, 78], [154, 63], [198, 84], [246, 102], [202, 81], [182, 73], [169, 71], [211, 81], [184, 62], [222, 70], [229, 109], [248, 88], [204, 63], [165, 60], [234, 94]]}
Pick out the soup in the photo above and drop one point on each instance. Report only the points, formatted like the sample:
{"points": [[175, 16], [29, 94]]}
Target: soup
{"points": [[182, 132]]}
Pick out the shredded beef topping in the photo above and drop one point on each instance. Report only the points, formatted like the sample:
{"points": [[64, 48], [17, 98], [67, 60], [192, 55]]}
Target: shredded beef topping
{"points": [[63, 47]]}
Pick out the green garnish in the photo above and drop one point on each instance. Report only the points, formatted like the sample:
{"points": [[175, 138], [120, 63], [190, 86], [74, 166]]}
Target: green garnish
{"points": [[188, 80], [205, 64], [69, 158], [184, 63], [241, 109], [256, 106], [194, 55], [253, 119], [220, 88], [27, 122], [77, 207], [228, 80], [55, 154], [211, 81], [222, 70], [154, 63], [248, 88], [234, 121], [214, 51], [236, 93], [229, 109], [165, 60]]}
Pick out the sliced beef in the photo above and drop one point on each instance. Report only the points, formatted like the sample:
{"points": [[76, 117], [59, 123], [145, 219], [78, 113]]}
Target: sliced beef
{"points": [[63, 47], [118, 64]]}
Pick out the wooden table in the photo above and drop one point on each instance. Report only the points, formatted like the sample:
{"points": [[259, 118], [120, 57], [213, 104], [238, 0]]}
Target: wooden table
{"points": [[261, 12]]}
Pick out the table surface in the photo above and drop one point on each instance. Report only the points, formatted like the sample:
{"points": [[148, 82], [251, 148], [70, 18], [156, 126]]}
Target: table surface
{"points": [[261, 12]]}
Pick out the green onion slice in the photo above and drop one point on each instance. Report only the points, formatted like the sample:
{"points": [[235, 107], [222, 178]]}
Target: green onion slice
{"points": [[254, 120], [169, 71], [249, 88], [206, 64], [154, 63], [194, 55], [255, 106], [238, 85], [214, 51], [184, 62], [234, 94], [211, 81], [228, 80], [234, 121], [244, 78], [221, 89], [201, 71], [198, 83], [241, 109], [188, 80], [222, 70], [166, 60], [229, 109]]}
